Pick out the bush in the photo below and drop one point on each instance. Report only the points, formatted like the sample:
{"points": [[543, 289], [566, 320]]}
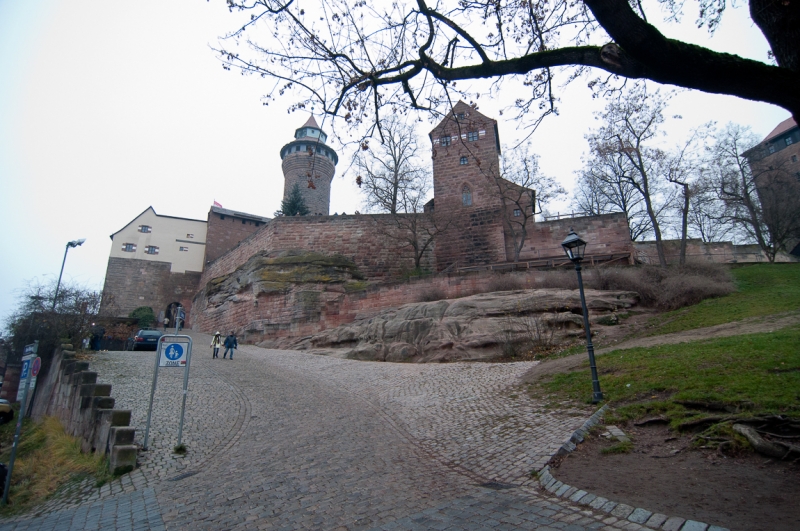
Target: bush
{"points": [[145, 316], [432, 295], [505, 282], [663, 288]]}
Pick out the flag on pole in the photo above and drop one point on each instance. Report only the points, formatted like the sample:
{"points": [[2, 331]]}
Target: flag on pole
{"points": [[217, 204]]}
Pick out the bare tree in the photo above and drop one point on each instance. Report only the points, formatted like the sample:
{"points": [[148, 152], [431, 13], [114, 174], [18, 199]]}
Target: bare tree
{"points": [[706, 217], [684, 166], [521, 188], [355, 58], [630, 128], [765, 203], [604, 186], [35, 318], [392, 176]]}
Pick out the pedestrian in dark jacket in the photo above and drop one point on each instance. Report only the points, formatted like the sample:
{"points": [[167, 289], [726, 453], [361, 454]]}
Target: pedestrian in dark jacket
{"points": [[230, 344]]}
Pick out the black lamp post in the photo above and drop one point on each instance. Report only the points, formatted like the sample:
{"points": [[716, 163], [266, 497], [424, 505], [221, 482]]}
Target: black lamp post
{"points": [[574, 246], [74, 243]]}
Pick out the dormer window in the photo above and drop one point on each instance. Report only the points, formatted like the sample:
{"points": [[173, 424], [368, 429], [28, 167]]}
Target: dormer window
{"points": [[772, 148], [788, 140]]}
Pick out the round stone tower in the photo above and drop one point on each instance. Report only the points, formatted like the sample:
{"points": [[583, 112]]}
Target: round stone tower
{"points": [[309, 163]]}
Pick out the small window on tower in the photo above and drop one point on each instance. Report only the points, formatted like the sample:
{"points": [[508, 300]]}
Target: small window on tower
{"points": [[466, 196], [129, 247], [517, 212], [445, 141], [788, 141], [472, 136], [772, 149], [145, 228], [151, 249], [463, 161]]}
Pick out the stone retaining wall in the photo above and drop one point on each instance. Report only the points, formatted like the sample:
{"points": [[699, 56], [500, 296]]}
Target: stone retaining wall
{"points": [[70, 392]]}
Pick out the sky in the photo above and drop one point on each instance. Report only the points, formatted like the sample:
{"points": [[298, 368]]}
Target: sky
{"points": [[107, 108]]}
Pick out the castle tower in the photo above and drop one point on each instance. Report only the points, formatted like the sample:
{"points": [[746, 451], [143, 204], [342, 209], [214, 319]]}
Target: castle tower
{"points": [[309, 163], [465, 149]]}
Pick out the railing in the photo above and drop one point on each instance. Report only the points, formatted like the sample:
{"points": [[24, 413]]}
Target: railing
{"points": [[551, 263], [568, 215]]}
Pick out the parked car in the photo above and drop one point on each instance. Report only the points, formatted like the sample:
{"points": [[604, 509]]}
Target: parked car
{"points": [[144, 340], [6, 412]]}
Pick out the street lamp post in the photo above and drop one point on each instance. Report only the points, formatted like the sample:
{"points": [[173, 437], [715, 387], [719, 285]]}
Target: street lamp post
{"points": [[73, 243], [574, 246]]}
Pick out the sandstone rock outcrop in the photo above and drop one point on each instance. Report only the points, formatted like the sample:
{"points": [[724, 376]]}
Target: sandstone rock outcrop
{"points": [[469, 328]]}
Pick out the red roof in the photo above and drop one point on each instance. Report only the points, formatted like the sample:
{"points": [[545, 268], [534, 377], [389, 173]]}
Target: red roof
{"points": [[784, 126]]}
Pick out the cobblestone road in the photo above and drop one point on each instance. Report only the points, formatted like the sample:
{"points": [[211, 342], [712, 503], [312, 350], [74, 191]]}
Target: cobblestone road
{"points": [[287, 440]]}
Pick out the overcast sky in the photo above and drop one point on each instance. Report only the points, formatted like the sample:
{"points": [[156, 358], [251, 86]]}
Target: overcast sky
{"points": [[109, 107]]}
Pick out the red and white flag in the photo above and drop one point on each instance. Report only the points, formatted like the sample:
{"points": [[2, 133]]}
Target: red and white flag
{"points": [[217, 204]]}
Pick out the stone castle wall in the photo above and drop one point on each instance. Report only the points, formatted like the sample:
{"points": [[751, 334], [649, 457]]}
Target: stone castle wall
{"points": [[606, 234], [131, 283], [363, 239], [225, 232]]}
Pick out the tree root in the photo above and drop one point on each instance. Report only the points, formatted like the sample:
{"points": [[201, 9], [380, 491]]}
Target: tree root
{"points": [[780, 450]]}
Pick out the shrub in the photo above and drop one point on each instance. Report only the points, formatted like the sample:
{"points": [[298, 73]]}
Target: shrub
{"points": [[145, 316], [432, 295], [505, 282]]}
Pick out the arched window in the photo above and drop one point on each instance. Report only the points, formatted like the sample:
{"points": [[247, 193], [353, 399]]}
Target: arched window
{"points": [[466, 196]]}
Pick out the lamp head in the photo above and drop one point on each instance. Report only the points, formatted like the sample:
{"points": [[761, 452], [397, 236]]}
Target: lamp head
{"points": [[76, 243], [574, 246]]}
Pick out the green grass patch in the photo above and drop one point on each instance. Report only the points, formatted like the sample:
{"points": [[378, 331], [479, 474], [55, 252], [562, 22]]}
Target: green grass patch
{"points": [[47, 458], [622, 447], [759, 372], [762, 289]]}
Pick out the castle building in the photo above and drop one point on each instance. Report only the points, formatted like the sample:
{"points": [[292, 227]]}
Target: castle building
{"points": [[310, 164], [478, 218], [775, 164]]}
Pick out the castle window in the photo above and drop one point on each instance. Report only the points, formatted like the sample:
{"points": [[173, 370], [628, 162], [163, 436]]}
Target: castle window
{"points": [[184, 249], [190, 236], [517, 212], [472, 136], [463, 161], [466, 196], [129, 247], [145, 228], [445, 141], [788, 141], [151, 249], [460, 116], [772, 149]]}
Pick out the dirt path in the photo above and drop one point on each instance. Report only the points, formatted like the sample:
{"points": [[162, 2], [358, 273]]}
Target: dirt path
{"points": [[754, 325]]}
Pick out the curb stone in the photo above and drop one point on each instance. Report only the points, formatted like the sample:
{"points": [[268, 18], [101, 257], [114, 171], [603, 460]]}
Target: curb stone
{"points": [[635, 515]]}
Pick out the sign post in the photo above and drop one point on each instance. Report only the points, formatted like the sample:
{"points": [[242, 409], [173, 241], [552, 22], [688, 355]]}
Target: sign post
{"points": [[172, 351], [29, 354]]}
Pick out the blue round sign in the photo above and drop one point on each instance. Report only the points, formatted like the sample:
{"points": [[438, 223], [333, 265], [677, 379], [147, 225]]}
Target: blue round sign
{"points": [[173, 352]]}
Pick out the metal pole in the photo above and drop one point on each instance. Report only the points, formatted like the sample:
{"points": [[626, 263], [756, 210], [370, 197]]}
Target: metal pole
{"points": [[19, 424], [185, 390], [152, 393], [58, 284], [597, 394]]}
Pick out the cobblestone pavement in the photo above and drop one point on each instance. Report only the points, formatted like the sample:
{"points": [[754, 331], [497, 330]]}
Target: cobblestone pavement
{"points": [[288, 440]]}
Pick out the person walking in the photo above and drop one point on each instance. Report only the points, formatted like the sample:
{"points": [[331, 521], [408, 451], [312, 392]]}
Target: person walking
{"points": [[166, 323], [230, 344], [216, 342]]}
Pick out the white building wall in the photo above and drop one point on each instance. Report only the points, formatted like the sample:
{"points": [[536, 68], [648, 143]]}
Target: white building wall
{"points": [[169, 235]]}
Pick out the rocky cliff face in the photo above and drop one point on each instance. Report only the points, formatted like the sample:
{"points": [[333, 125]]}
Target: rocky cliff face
{"points": [[477, 327]]}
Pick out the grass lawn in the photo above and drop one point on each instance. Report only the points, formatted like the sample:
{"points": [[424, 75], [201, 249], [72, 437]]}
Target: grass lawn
{"points": [[758, 372], [46, 459], [763, 289]]}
